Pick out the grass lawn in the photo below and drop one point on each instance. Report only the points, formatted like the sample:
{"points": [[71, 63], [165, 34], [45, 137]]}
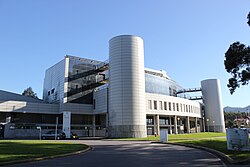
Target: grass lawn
{"points": [[216, 141], [219, 144], [12, 150]]}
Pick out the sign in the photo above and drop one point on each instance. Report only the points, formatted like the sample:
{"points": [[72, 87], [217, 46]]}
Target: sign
{"points": [[163, 135], [66, 123], [238, 139]]}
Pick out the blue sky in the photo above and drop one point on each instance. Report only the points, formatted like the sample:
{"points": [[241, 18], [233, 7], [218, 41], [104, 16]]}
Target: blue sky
{"points": [[188, 39]]}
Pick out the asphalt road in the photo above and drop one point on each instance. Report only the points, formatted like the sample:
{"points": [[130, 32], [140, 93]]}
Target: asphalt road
{"points": [[131, 154]]}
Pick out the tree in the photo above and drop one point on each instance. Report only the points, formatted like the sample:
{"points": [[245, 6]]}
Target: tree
{"points": [[237, 63], [248, 17], [30, 93]]}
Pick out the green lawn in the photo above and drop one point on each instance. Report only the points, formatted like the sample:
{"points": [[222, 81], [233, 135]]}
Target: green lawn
{"points": [[212, 140], [12, 150], [219, 144], [174, 137]]}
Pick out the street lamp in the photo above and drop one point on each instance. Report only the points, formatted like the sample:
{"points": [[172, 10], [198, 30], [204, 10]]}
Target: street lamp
{"points": [[40, 132], [213, 126], [178, 122], [208, 125], [203, 122], [56, 128]]}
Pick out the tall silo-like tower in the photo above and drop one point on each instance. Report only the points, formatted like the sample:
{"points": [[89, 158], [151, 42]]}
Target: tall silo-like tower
{"points": [[212, 99], [127, 112]]}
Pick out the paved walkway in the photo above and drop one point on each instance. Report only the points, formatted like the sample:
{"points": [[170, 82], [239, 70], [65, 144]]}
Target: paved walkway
{"points": [[132, 154]]}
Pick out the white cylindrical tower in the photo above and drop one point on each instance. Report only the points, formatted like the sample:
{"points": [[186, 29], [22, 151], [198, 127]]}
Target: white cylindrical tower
{"points": [[212, 99], [127, 112]]}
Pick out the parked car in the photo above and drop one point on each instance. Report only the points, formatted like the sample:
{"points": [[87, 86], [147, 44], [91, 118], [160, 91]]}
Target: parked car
{"points": [[73, 135], [51, 135]]}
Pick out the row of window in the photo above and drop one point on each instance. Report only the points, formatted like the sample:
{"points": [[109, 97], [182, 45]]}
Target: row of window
{"points": [[51, 92], [170, 106]]}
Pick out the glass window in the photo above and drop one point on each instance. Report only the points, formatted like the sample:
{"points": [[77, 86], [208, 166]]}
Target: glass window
{"points": [[173, 106], [163, 121], [159, 85], [155, 104], [169, 106], [181, 107], [177, 107], [165, 105], [150, 121]]}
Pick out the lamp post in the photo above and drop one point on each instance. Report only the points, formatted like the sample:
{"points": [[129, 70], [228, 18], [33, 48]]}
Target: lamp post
{"points": [[213, 126], [207, 125], [40, 132], [178, 122], [56, 128], [203, 122]]}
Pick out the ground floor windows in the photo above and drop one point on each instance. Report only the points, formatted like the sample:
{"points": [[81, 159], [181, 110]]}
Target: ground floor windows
{"points": [[164, 121], [150, 120]]}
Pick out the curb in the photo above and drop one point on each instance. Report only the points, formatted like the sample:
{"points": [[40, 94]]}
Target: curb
{"points": [[226, 159], [45, 158]]}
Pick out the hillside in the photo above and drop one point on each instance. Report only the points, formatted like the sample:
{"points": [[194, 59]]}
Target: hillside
{"points": [[237, 109]]}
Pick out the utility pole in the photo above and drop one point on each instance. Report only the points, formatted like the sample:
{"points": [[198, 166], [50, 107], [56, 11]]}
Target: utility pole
{"points": [[56, 128]]}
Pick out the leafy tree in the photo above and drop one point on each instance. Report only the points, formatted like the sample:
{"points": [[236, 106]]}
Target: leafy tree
{"points": [[237, 63], [30, 93], [248, 17]]}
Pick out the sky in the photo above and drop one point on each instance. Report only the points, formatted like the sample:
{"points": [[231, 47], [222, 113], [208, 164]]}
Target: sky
{"points": [[188, 39]]}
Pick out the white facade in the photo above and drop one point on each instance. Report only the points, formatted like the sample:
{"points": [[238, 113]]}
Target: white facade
{"points": [[214, 116], [126, 87], [172, 106]]}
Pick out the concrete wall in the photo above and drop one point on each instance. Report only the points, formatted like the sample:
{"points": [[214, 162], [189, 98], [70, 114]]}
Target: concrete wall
{"points": [[75, 108], [127, 117], [185, 107], [214, 116], [101, 101], [27, 107], [54, 79]]}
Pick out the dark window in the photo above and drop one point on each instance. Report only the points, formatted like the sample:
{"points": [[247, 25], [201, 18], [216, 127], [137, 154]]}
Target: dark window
{"points": [[150, 121], [155, 104], [52, 91], [48, 92], [165, 105], [94, 104]]}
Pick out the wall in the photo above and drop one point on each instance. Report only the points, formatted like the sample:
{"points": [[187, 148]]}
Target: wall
{"points": [[54, 80], [195, 107]]}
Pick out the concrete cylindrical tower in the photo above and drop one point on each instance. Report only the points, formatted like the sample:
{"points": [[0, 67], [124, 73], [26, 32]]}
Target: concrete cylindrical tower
{"points": [[127, 112], [212, 99]]}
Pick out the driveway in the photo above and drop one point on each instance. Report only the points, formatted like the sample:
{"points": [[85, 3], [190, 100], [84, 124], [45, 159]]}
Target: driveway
{"points": [[131, 154]]}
